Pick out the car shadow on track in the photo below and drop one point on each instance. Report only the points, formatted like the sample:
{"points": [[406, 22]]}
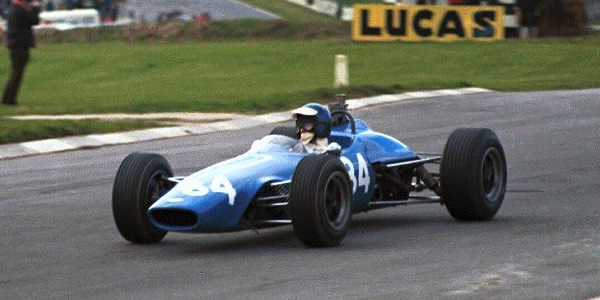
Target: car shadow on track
{"points": [[366, 232]]}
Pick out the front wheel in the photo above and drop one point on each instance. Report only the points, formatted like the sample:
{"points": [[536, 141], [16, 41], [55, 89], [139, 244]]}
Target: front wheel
{"points": [[140, 181], [473, 174], [320, 201]]}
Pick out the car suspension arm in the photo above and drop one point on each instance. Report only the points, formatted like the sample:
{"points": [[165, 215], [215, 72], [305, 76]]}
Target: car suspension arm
{"points": [[430, 181]]}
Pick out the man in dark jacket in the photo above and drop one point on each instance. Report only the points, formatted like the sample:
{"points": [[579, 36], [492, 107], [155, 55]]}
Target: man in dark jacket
{"points": [[19, 38]]}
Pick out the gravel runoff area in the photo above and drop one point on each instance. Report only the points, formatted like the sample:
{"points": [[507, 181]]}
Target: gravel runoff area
{"points": [[210, 123]]}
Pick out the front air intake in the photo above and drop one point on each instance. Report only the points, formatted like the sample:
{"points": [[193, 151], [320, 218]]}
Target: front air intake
{"points": [[174, 217]]}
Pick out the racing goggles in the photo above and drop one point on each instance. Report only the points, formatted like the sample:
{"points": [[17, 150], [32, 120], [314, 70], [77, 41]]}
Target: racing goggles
{"points": [[306, 123]]}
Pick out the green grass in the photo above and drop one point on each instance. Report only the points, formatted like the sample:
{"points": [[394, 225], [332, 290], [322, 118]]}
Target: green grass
{"points": [[255, 76], [351, 2], [247, 29], [14, 131], [259, 76], [177, 32]]}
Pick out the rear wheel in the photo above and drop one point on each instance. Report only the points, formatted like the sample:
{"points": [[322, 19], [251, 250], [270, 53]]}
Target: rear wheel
{"points": [[473, 174], [320, 201], [289, 131], [140, 181]]}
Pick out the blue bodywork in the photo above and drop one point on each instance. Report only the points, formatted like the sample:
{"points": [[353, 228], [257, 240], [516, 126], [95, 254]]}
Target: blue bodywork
{"points": [[220, 195]]}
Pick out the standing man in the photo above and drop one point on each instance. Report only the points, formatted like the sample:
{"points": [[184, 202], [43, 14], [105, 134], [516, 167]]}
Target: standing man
{"points": [[19, 38]]}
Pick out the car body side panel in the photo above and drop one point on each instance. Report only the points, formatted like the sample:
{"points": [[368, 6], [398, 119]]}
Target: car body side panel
{"points": [[361, 173], [219, 195], [371, 146], [385, 149], [380, 148]]}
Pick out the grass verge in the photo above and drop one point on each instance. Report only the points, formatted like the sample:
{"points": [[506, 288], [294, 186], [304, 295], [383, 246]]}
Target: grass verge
{"points": [[15, 131], [256, 76], [261, 76], [178, 32]]}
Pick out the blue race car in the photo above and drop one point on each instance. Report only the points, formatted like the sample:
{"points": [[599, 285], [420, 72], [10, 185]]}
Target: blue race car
{"points": [[277, 182]]}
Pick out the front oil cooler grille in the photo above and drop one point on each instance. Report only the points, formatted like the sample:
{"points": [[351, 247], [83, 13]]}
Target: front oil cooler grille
{"points": [[174, 217]]}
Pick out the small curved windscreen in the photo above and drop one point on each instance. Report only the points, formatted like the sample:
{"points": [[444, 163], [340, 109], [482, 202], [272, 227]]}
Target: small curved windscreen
{"points": [[277, 143]]}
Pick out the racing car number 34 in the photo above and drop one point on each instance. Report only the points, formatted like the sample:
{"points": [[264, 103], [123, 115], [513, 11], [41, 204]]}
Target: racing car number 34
{"points": [[363, 178], [219, 184]]}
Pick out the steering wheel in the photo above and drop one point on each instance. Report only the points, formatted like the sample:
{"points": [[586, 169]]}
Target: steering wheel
{"points": [[347, 116]]}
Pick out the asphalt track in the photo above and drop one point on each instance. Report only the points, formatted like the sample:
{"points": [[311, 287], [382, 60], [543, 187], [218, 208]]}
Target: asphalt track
{"points": [[58, 238], [217, 9]]}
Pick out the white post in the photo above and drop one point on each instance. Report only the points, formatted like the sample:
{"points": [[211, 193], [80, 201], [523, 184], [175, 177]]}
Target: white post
{"points": [[341, 71]]}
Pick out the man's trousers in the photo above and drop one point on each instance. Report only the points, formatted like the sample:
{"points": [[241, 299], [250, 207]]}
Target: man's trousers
{"points": [[18, 58]]}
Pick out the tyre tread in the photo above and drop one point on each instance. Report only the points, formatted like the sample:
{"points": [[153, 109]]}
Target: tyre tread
{"points": [[460, 175], [131, 220], [304, 191]]}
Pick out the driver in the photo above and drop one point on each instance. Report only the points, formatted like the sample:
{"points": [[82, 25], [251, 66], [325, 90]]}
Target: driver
{"points": [[313, 126]]}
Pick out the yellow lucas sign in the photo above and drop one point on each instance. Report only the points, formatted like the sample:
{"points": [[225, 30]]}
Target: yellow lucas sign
{"points": [[376, 22]]}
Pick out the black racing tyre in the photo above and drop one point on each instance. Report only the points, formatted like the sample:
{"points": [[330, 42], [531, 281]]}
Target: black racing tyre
{"points": [[140, 181], [320, 202], [473, 174], [289, 131]]}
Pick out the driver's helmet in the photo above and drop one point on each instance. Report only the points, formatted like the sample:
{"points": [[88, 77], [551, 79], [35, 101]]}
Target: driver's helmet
{"points": [[316, 113]]}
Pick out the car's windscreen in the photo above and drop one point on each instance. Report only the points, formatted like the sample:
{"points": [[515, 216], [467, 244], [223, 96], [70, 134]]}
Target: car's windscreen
{"points": [[277, 143]]}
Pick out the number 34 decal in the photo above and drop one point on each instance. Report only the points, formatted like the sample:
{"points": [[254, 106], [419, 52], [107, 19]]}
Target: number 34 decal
{"points": [[363, 178], [219, 184]]}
